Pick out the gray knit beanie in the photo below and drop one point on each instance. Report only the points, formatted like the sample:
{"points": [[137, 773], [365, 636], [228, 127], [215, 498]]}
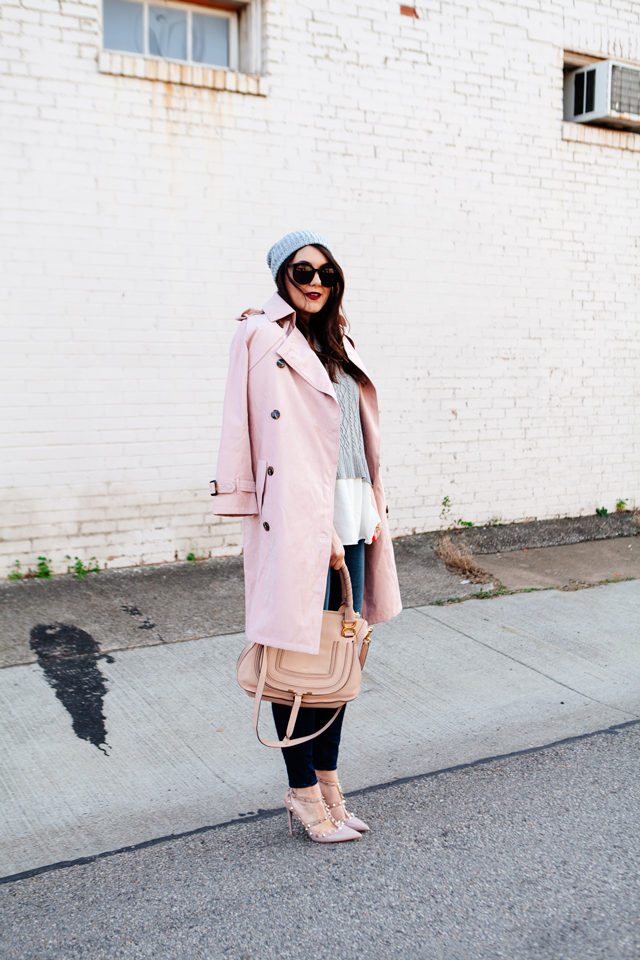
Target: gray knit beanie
{"points": [[289, 244]]}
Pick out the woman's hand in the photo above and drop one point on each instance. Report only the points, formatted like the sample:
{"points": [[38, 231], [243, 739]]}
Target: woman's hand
{"points": [[337, 551], [378, 529]]}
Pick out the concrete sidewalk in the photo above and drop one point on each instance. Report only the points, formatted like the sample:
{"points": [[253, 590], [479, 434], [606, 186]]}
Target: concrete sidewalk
{"points": [[146, 606], [165, 603], [568, 567], [156, 740]]}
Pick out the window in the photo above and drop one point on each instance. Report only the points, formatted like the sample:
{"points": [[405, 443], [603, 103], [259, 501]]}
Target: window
{"points": [[172, 31]]}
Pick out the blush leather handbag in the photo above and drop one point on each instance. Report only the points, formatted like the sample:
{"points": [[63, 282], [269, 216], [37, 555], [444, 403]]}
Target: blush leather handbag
{"points": [[327, 679]]}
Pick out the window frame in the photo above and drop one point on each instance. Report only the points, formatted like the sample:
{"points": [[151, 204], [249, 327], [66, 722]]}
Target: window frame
{"points": [[190, 8]]}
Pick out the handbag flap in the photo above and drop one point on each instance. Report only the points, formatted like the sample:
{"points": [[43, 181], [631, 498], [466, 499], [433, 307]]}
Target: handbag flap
{"points": [[324, 672]]}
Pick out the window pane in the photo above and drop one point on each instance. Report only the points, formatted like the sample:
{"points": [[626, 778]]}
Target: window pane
{"points": [[123, 26], [168, 33], [210, 40]]}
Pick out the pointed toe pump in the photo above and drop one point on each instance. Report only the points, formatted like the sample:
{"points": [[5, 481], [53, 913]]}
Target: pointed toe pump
{"points": [[342, 833], [350, 820]]}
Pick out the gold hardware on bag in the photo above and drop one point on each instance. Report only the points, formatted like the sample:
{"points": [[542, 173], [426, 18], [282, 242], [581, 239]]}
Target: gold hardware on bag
{"points": [[367, 639], [349, 626]]}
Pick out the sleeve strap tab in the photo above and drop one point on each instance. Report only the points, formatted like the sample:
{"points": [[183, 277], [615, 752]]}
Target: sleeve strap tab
{"points": [[234, 486]]}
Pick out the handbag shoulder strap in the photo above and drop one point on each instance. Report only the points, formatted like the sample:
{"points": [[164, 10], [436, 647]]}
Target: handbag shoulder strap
{"points": [[295, 709]]}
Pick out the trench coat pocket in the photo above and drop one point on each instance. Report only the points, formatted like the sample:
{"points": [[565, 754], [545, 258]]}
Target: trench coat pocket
{"points": [[261, 478]]}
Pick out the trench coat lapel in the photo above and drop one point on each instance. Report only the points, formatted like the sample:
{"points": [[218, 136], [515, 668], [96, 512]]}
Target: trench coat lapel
{"points": [[298, 354], [353, 356], [295, 350]]}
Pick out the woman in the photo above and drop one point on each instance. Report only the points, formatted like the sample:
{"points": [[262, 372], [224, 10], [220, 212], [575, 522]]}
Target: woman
{"points": [[299, 461]]}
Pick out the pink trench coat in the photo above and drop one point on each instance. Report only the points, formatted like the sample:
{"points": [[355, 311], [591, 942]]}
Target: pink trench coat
{"points": [[277, 467]]}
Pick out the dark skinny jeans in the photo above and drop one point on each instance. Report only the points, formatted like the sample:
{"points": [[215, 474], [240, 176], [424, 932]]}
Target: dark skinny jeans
{"points": [[320, 753]]}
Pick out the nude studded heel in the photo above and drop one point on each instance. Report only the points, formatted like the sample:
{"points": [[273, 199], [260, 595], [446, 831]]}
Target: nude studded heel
{"points": [[350, 820], [338, 836]]}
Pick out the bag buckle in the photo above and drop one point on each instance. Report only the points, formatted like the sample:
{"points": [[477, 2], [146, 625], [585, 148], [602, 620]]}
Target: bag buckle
{"points": [[213, 488], [349, 626]]}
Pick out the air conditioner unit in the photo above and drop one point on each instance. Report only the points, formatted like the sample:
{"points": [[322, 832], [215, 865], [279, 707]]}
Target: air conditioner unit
{"points": [[606, 93]]}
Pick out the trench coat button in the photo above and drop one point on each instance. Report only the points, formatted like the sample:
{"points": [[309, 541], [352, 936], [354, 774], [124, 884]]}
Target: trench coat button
{"points": [[280, 363], [275, 414], [265, 525], [270, 471]]}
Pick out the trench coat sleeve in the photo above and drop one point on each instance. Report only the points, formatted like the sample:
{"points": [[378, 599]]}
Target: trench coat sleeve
{"points": [[234, 477]]}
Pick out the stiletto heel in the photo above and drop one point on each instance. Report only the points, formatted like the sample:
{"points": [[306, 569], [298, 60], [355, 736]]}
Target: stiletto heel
{"points": [[350, 820], [337, 836]]}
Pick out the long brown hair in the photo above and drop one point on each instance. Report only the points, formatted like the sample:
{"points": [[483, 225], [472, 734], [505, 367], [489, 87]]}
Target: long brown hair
{"points": [[325, 331]]}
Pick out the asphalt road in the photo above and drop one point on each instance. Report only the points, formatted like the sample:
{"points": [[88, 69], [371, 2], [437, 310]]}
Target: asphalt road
{"points": [[526, 857]]}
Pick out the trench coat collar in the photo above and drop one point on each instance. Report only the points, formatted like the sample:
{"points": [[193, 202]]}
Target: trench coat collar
{"points": [[277, 309]]}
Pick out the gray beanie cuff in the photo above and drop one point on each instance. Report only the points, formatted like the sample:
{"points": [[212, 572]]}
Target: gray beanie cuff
{"points": [[289, 244]]}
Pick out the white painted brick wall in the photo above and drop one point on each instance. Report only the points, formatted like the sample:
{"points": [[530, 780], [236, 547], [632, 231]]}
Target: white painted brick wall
{"points": [[492, 264]]}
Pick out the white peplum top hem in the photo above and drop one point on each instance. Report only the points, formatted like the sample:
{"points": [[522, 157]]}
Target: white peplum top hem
{"points": [[354, 516]]}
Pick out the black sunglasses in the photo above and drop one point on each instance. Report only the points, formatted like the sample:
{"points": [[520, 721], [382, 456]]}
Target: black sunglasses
{"points": [[304, 273]]}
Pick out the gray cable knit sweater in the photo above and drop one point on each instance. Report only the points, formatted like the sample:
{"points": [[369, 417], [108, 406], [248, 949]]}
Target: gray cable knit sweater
{"points": [[351, 461]]}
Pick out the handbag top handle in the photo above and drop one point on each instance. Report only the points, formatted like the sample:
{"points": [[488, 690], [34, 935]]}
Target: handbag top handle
{"points": [[349, 616]]}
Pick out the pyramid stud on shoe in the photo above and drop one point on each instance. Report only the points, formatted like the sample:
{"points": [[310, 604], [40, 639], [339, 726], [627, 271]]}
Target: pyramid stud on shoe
{"points": [[336, 836], [350, 820]]}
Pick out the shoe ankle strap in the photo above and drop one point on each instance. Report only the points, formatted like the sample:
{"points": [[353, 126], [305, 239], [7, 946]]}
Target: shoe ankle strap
{"points": [[296, 796], [329, 783], [333, 783]]}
